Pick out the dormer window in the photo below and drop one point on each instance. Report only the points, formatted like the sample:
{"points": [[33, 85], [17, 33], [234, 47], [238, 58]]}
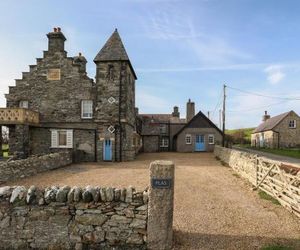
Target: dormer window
{"points": [[292, 124], [23, 104]]}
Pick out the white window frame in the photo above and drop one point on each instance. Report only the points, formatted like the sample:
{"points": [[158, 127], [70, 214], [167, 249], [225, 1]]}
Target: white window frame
{"points": [[294, 122], [86, 104], [55, 138], [213, 139], [24, 104], [188, 139], [164, 142]]}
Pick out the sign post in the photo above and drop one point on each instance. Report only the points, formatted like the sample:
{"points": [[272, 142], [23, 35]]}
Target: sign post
{"points": [[161, 205]]}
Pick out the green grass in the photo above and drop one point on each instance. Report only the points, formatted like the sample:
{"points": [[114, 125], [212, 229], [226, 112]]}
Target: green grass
{"points": [[276, 247], [247, 132], [265, 196], [5, 150]]}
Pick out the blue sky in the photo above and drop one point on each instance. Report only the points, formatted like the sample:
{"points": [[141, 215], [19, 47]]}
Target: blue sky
{"points": [[179, 49]]}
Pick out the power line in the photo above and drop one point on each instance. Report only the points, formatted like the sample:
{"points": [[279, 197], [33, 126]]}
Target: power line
{"points": [[218, 103], [266, 106], [262, 95]]}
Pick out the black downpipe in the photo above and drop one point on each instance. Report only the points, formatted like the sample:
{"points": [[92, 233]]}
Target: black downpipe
{"points": [[120, 127], [95, 145]]}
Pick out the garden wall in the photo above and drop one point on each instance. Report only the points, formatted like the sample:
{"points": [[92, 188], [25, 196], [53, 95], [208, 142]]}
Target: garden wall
{"points": [[90, 217], [15, 169], [73, 218], [273, 177]]}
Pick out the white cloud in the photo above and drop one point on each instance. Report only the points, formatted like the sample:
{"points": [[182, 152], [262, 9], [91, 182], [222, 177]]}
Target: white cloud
{"points": [[173, 25], [151, 103], [274, 73]]}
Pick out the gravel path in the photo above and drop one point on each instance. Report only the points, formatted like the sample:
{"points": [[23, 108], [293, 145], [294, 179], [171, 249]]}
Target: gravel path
{"points": [[214, 209]]}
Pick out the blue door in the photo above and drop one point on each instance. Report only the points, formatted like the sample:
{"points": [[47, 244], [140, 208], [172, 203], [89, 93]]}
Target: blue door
{"points": [[107, 150], [200, 143]]}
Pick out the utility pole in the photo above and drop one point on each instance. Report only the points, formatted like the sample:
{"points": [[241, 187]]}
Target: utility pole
{"points": [[220, 118], [224, 108]]}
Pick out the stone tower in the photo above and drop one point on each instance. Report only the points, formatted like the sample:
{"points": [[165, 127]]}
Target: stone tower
{"points": [[115, 100], [190, 110]]}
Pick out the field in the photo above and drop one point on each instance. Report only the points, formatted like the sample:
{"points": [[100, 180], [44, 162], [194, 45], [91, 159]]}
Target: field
{"points": [[240, 136]]}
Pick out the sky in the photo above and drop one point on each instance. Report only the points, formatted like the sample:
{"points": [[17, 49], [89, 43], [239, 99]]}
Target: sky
{"points": [[180, 49]]}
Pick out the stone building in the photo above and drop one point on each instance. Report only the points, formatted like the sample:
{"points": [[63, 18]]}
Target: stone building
{"points": [[169, 132], [56, 106], [281, 131]]}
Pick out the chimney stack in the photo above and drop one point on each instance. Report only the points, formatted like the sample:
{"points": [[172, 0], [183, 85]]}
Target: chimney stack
{"points": [[175, 112], [190, 110], [266, 116], [56, 41]]}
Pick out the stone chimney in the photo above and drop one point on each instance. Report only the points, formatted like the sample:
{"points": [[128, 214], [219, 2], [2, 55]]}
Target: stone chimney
{"points": [[175, 112], [56, 42], [190, 110], [81, 62], [266, 116]]}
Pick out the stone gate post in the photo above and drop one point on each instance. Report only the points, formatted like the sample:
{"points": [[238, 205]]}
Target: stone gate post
{"points": [[160, 206]]}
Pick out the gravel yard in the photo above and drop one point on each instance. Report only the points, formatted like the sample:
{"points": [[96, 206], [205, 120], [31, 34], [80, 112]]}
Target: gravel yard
{"points": [[214, 209]]}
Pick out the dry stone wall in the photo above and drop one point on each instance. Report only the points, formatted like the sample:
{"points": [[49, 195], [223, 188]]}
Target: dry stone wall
{"points": [[15, 169], [73, 218]]}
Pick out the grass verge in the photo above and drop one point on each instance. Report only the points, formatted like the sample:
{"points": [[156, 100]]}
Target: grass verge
{"points": [[265, 196]]}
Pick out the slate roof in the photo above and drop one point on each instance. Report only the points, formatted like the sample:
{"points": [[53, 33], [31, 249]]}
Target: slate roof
{"points": [[193, 121], [271, 123], [113, 50], [163, 118]]}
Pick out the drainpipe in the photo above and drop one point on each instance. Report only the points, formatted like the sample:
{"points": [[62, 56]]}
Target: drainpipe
{"points": [[120, 127], [95, 145]]}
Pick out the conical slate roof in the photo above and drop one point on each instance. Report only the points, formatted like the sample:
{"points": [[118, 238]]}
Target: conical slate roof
{"points": [[113, 50]]}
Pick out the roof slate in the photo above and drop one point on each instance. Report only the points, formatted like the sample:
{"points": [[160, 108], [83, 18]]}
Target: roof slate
{"points": [[271, 123], [113, 49]]}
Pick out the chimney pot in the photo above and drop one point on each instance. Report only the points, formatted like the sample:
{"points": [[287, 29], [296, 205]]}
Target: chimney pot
{"points": [[80, 54], [55, 29], [58, 29]]}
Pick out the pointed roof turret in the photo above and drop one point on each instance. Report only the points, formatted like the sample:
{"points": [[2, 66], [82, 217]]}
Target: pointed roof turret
{"points": [[113, 50]]}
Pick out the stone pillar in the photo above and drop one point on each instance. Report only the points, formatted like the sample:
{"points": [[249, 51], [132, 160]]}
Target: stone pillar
{"points": [[19, 141], [161, 205]]}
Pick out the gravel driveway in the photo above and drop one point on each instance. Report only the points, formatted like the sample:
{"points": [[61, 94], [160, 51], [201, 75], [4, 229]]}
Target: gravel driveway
{"points": [[214, 209]]}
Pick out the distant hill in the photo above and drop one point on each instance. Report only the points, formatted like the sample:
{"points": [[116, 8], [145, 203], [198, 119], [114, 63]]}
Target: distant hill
{"points": [[240, 136]]}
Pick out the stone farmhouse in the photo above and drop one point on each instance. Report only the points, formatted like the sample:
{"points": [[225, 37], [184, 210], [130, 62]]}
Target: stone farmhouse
{"points": [[56, 106], [169, 132], [281, 131]]}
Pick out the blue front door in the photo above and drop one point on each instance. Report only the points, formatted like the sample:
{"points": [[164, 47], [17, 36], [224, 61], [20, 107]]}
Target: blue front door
{"points": [[200, 143], [107, 150]]}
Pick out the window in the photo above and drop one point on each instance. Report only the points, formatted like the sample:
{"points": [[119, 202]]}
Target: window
{"points": [[23, 104], [211, 139], [292, 124], [188, 139], [164, 142], [86, 109], [62, 138], [162, 128]]}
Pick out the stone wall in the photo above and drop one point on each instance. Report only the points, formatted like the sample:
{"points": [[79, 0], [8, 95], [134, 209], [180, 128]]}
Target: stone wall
{"points": [[242, 162], [15, 169], [73, 218], [280, 180]]}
